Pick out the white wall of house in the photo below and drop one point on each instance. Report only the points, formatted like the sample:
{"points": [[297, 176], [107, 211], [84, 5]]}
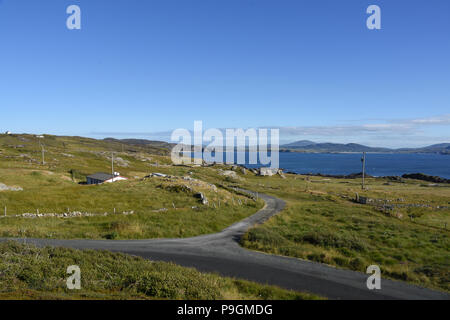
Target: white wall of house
{"points": [[115, 179]]}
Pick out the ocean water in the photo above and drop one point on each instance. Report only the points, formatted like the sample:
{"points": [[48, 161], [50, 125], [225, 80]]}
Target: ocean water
{"points": [[377, 164]]}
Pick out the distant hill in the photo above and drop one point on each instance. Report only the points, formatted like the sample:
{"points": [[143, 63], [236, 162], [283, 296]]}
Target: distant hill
{"points": [[443, 148], [310, 146], [299, 144], [75, 157], [31, 142], [142, 143]]}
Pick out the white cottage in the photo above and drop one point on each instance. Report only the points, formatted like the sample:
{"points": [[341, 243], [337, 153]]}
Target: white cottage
{"points": [[100, 177]]}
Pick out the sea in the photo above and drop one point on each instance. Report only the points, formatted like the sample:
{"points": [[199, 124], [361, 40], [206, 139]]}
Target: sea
{"points": [[377, 164]]}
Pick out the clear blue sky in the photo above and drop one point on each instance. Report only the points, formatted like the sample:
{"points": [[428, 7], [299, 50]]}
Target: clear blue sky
{"points": [[311, 68]]}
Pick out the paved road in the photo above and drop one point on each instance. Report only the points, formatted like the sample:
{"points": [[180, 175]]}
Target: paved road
{"points": [[220, 252]]}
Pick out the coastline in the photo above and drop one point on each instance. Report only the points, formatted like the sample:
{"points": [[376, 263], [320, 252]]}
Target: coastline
{"points": [[415, 176], [359, 152]]}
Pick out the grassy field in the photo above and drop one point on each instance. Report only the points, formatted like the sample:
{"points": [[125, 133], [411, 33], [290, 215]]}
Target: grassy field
{"points": [[405, 230], [27, 272], [322, 223], [162, 207]]}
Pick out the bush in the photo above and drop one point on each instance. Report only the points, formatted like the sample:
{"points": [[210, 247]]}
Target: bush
{"points": [[324, 239], [357, 264], [340, 261], [111, 236], [318, 257], [174, 285], [116, 226], [178, 188], [346, 252], [265, 236], [77, 175]]}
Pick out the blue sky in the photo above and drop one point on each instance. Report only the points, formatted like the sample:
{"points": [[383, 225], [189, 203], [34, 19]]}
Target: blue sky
{"points": [[311, 68]]}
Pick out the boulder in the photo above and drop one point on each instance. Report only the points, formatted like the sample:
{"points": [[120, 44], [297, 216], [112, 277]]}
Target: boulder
{"points": [[425, 177], [156, 174], [264, 171], [202, 198], [229, 173]]}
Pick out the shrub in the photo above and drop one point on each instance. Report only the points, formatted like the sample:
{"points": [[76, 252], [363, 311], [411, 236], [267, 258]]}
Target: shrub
{"points": [[119, 225], [340, 261], [318, 257], [265, 236], [36, 174], [357, 264], [111, 236], [325, 239], [183, 285], [178, 188], [77, 175]]}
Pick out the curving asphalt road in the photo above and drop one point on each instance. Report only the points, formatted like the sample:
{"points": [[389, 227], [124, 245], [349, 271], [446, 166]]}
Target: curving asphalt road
{"points": [[220, 252]]}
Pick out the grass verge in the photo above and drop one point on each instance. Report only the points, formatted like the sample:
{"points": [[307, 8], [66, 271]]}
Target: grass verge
{"points": [[321, 223], [28, 272]]}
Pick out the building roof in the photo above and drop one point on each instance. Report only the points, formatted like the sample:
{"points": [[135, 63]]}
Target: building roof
{"points": [[101, 176]]}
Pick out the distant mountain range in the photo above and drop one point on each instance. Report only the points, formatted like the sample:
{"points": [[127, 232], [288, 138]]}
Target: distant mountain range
{"points": [[307, 146], [313, 147]]}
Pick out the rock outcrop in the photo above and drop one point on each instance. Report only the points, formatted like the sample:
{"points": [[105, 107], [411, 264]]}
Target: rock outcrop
{"points": [[425, 177]]}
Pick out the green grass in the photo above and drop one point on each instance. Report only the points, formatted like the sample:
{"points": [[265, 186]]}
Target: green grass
{"points": [[321, 224], [28, 272], [51, 194], [55, 188]]}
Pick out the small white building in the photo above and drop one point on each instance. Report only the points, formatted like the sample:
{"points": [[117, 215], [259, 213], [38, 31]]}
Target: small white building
{"points": [[8, 132], [100, 177]]}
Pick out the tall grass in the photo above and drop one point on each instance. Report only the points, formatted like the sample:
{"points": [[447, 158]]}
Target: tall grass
{"points": [[323, 224], [28, 272]]}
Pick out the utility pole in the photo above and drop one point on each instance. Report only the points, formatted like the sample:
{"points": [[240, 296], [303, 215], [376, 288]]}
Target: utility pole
{"points": [[363, 160], [112, 165], [43, 154], [41, 145]]}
